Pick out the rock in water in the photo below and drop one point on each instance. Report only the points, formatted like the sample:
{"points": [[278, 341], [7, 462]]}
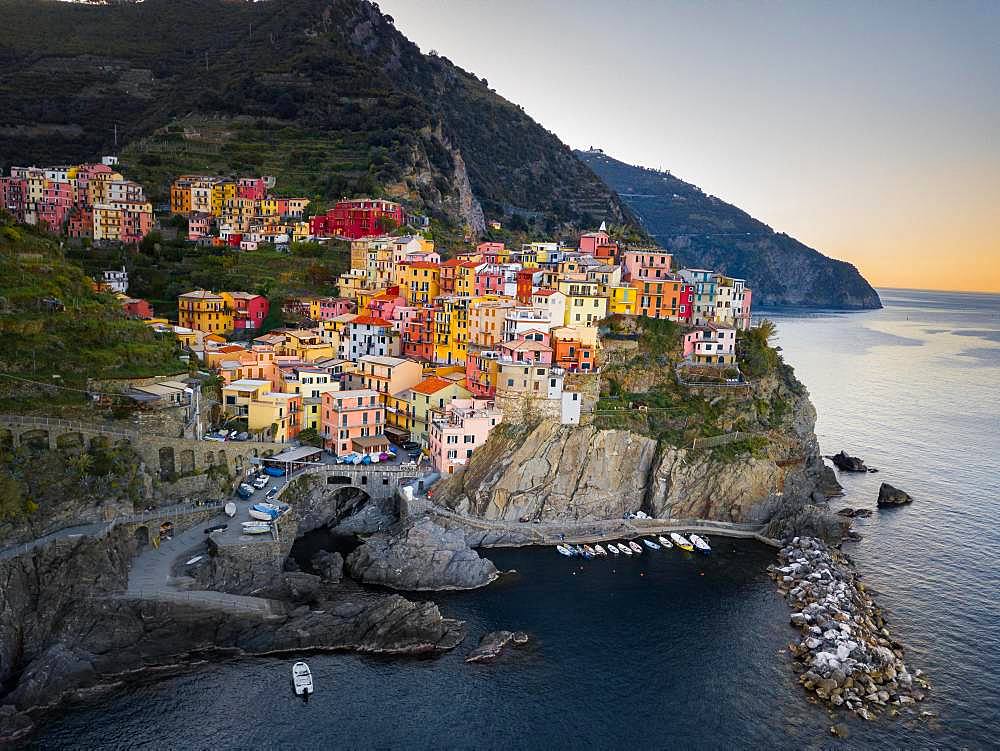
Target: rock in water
{"points": [[846, 463], [890, 496], [490, 646], [424, 556]]}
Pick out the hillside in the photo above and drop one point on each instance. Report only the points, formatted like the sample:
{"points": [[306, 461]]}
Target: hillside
{"points": [[57, 330], [704, 231], [324, 94]]}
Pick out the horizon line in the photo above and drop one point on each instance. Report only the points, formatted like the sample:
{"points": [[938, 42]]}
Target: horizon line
{"points": [[935, 289]]}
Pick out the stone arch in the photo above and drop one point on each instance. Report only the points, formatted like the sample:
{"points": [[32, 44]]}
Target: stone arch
{"points": [[167, 467], [141, 536], [36, 439], [209, 459], [187, 462], [72, 441], [254, 452]]}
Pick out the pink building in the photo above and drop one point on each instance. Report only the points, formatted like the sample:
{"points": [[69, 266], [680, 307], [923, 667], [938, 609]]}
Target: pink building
{"points": [[743, 321], [249, 310], [13, 195], [492, 252], [647, 264], [489, 281], [55, 204], [331, 307], [353, 422], [454, 435], [530, 347], [383, 306], [711, 345], [480, 372], [591, 241], [199, 225]]}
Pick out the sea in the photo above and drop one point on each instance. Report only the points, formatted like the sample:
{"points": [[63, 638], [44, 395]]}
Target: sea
{"points": [[670, 649]]}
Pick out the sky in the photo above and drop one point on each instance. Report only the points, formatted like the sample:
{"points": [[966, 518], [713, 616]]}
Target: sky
{"points": [[870, 131]]}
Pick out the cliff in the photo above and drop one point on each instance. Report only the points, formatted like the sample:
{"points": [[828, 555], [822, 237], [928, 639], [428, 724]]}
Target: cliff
{"points": [[706, 232], [772, 474]]}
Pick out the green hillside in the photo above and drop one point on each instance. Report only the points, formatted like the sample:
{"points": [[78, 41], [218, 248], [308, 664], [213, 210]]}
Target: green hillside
{"points": [[324, 94], [706, 232], [58, 332]]}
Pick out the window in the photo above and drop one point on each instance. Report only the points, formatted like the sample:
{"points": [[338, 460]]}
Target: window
{"points": [[452, 454], [469, 439]]}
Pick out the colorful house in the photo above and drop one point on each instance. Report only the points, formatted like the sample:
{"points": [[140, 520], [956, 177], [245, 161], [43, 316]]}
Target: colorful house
{"points": [[711, 345], [204, 311], [387, 375], [247, 309], [275, 414], [456, 433], [574, 349], [357, 218], [353, 421], [432, 394]]}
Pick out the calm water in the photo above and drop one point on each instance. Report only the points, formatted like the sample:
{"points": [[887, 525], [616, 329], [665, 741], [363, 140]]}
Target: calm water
{"points": [[671, 649]]}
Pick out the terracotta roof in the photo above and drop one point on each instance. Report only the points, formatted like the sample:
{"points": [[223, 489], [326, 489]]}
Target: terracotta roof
{"points": [[431, 385], [544, 292], [452, 262], [420, 264], [471, 264]]}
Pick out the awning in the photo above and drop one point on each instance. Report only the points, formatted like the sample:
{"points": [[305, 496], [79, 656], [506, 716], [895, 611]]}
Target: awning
{"points": [[370, 442], [301, 454]]}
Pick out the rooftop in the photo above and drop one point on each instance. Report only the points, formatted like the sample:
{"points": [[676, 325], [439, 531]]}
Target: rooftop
{"points": [[432, 385]]}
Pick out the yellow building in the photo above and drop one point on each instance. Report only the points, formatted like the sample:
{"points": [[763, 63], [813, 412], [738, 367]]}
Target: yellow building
{"points": [[237, 396], [585, 305], [465, 278], [310, 384], [387, 375], [307, 345], [431, 395], [276, 414], [419, 282], [486, 322], [621, 299], [204, 311], [397, 410], [451, 328], [222, 191]]}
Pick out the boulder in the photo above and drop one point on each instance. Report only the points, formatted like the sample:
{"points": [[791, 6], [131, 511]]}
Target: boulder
{"points": [[490, 646], [848, 512], [890, 496], [847, 463], [422, 557], [329, 566]]}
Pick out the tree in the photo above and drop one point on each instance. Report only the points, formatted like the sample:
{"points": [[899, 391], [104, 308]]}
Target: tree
{"points": [[310, 437], [12, 504]]}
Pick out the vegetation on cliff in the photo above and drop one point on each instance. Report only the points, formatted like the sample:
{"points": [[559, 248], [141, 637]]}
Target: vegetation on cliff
{"points": [[706, 232], [58, 332], [327, 95]]}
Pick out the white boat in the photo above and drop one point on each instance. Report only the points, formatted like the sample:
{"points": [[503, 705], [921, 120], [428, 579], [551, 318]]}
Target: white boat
{"points": [[650, 544], [613, 549], [256, 528], [600, 550], [194, 560], [700, 544], [263, 516], [265, 511], [565, 551], [680, 542], [664, 541], [302, 680], [624, 548], [636, 548], [589, 550], [230, 509]]}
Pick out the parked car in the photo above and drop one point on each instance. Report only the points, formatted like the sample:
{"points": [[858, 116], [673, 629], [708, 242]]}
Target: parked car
{"points": [[261, 482], [245, 491]]}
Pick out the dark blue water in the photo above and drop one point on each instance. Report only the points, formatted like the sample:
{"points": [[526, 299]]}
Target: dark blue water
{"points": [[673, 649]]}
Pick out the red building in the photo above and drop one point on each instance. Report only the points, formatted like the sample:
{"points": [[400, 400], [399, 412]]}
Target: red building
{"points": [[418, 335], [137, 308], [356, 218], [251, 188], [249, 310], [13, 195]]}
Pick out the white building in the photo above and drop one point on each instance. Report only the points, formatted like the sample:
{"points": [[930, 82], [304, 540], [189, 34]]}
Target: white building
{"points": [[116, 280]]}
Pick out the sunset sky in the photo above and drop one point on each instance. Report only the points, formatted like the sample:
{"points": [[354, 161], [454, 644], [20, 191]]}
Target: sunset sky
{"points": [[870, 131]]}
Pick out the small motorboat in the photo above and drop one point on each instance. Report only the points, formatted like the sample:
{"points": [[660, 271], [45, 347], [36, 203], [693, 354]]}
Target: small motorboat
{"points": [[681, 542], [275, 471], [636, 548], [590, 550], [245, 491], [650, 544], [700, 544], [230, 509], [194, 560], [264, 512], [664, 542], [599, 549], [565, 551], [625, 548], [302, 680], [256, 528], [613, 549]]}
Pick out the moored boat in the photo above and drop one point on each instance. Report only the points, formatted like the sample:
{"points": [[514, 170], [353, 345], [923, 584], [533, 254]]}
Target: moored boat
{"points": [[624, 548], [650, 544], [302, 680], [589, 550], [700, 544], [664, 542], [230, 509], [681, 542], [599, 549], [256, 528], [613, 549], [564, 550], [636, 548]]}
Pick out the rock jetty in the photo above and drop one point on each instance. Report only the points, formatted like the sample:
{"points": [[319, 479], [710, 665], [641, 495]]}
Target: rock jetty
{"points": [[847, 657], [493, 643], [890, 496]]}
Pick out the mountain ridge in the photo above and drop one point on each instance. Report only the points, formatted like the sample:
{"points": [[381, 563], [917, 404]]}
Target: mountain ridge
{"points": [[706, 232]]}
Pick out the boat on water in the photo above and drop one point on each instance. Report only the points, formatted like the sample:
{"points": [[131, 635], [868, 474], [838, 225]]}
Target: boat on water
{"points": [[700, 544], [681, 542], [636, 548], [590, 550], [302, 680], [599, 549], [613, 549], [230, 509], [650, 544], [624, 548], [565, 551], [664, 542], [256, 528]]}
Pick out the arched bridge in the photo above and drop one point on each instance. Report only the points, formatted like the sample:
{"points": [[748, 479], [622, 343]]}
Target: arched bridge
{"points": [[379, 481]]}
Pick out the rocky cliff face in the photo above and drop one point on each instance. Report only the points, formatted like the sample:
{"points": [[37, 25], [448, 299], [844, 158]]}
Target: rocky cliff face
{"points": [[554, 472]]}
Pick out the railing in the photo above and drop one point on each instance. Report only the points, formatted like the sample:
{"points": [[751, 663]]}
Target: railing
{"points": [[55, 422], [720, 440]]}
